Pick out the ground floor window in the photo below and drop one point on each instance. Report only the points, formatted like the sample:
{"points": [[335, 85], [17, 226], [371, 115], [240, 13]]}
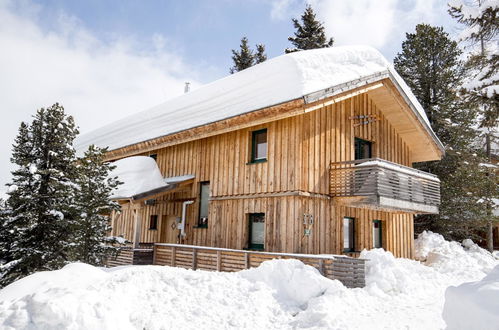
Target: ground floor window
{"points": [[377, 234], [257, 231], [348, 234]]}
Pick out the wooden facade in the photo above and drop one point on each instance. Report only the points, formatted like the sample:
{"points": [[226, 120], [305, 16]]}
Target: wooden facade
{"points": [[292, 187]]}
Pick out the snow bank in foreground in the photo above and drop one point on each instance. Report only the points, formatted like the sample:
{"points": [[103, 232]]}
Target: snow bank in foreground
{"points": [[473, 305], [280, 294]]}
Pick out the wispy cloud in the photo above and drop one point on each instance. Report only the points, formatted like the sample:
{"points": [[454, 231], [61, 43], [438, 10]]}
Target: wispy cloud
{"points": [[379, 23], [96, 81]]}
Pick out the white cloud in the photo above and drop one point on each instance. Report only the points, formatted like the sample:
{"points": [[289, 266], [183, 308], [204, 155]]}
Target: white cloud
{"points": [[379, 23], [96, 82]]}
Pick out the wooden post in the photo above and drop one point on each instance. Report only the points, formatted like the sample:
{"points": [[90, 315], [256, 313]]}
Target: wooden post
{"points": [[194, 258], [247, 260], [322, 269], [219, 261], [137, 229], [174, 255]]}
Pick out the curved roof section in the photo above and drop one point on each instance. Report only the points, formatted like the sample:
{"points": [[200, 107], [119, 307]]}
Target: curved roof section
{"points": [[278, 80]]}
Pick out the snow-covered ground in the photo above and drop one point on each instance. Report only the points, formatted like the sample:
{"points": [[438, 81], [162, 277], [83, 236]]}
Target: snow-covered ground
{"points": [[280, 294]]}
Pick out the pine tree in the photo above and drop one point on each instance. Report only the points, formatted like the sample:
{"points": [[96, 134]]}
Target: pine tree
{"points": [[481, 36], [40, 204], [245, 57], [260, 55], [93, 203], [309, 34], [429, 63]]}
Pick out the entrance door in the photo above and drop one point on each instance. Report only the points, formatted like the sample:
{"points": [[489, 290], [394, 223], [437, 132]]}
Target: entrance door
{"points": [[377, 236], [257, 231], [169, 231]]}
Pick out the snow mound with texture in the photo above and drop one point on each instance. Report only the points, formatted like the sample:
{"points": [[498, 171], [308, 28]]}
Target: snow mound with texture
{"points": [[473, 305], [280, 294]]}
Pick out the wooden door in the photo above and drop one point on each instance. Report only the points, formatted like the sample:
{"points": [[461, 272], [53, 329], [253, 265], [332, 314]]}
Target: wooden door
{"points": [[169, 231]]}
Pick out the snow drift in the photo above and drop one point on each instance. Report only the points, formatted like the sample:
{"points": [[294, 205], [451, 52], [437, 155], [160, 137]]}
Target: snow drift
{"points": [[280, 294], [473, 305]]}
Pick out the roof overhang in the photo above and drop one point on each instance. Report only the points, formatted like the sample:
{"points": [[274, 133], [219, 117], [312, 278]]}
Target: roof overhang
{"points": [[172, 184]]}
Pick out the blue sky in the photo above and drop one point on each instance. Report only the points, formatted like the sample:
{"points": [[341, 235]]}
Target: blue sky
{"points": [[104, 60]]}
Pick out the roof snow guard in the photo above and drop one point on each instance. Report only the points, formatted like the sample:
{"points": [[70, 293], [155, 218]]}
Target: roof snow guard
{"points": [[308, 75]]}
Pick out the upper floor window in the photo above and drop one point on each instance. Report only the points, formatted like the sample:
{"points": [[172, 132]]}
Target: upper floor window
{"points": [[259, 146], [153, 222], [204, 195], [363, 149]]}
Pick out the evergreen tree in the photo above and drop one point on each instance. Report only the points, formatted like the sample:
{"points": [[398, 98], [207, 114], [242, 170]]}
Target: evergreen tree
{"points": [[245, 57], [40, 205], [429, 63], [260, 55], [480, 88], [93, 203], [309, 34]]}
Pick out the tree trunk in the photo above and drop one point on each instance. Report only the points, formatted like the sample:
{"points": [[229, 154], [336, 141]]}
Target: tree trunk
{"points": [[490, 237]]}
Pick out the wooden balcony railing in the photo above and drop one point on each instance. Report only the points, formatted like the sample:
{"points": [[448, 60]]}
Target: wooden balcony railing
{"points": [[380, 184]]}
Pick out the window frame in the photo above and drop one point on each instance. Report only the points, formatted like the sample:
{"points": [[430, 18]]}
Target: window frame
{"points": [[251, 246], [380, 234], [204, 224], [254, 146], [155, 222], [352, 239], [357, 150]]}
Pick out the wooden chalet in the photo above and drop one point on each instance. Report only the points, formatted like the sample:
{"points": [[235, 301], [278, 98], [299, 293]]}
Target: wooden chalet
{"points": [[309, 152]]}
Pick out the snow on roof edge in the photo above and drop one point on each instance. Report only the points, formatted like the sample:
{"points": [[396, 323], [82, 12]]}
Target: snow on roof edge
{"points": [[279, 80]]}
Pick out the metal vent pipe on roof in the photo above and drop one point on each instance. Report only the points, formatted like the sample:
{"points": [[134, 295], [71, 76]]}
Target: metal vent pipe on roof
{"points": [[187, 87]]}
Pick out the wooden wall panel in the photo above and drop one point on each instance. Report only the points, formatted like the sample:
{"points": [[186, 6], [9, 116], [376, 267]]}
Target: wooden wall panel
{"points": [[300, 150]]}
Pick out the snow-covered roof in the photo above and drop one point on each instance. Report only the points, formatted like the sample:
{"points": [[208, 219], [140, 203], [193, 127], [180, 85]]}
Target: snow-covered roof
{"points": [[278, 80], [140, 176]]}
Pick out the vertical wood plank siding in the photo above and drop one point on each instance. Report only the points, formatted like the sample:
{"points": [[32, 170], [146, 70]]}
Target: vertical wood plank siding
{"points": [[300, 149]]}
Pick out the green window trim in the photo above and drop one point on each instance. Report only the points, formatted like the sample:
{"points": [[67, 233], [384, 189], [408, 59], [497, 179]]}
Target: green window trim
{"points": [[380, 234], [254, 146], [203, 220], [254, 246], [351, 240]]}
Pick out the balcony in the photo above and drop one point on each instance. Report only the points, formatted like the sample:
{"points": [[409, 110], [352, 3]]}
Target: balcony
{"points": [[382, 185]]}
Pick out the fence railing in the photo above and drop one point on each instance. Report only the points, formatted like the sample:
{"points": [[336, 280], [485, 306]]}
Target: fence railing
{"points": [[127, 255], [350, 271], [416, 190]]}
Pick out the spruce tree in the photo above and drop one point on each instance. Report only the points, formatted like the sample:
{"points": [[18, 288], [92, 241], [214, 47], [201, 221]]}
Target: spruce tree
{"points": [[40, 204], [243, 58], [309, 33], [93, 204], [260, 55], [480, 37], [429, 63]]}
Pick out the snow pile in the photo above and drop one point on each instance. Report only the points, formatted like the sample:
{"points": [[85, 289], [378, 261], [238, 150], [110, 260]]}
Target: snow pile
{"points": [[280, 294], [462, 260], [473, 305], [281, 79], [139, 174], [292, 282]]}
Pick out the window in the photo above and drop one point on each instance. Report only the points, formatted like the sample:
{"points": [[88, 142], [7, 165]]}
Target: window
{"points": [[259, 146], [348, 234], [153, 222], [363, 149], [377, 237], [257, 231], [204, 195]]}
